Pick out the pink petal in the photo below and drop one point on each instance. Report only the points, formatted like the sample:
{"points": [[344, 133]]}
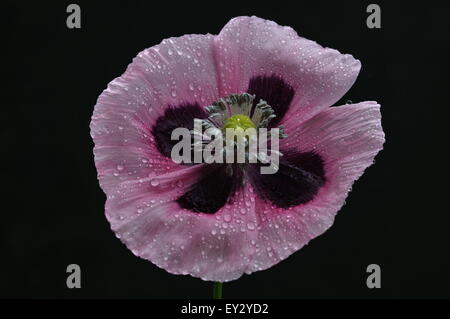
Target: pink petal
{"points": [[250, 46], [179, 70], [136, 178], [132, 198], [347, 138], [216, 247]]}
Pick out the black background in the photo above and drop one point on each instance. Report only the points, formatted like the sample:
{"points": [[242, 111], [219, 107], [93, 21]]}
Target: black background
{"points": [[52, 212]]}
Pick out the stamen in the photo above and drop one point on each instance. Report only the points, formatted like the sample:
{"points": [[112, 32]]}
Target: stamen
{"points": [[263, 114], [241, 103]]}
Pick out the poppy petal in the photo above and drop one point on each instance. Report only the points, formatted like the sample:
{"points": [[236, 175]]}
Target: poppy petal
{"points": [[179, 72], [272, 89], [214, 247], [132, 198], [299, 177], [347, 138], [216, 186], [175, 117], [249, 47]]}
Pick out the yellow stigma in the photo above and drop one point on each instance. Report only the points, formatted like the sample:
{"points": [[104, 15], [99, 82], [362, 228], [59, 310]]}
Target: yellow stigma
{"points": [[239, 121], [239, 128]]}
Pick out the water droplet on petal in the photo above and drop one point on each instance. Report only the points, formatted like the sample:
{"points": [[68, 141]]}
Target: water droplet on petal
{"points": [[154, 182]]}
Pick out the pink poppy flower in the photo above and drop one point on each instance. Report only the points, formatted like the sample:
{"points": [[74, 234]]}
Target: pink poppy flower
{"points": [[217, 222]]}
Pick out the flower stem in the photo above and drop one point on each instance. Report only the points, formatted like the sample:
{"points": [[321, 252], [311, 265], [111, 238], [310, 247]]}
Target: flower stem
{"points": [[217, 290]]}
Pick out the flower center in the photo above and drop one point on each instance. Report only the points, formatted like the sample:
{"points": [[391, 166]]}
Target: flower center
{"points": [[239, 127], [244, 128], [239, 121]]}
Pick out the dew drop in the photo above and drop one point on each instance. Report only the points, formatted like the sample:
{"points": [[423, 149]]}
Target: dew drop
{"points": [[154, 182], [120, 167]]}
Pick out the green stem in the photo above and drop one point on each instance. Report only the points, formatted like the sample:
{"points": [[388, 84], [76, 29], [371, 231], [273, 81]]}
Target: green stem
{"points": [[217, 290]]}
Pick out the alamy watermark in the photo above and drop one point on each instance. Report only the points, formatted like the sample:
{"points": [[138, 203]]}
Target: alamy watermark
{"points": [[373, 21], [73, 20], [236, 145], [374, 279], [74, 279]]}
